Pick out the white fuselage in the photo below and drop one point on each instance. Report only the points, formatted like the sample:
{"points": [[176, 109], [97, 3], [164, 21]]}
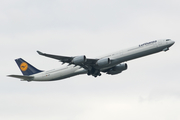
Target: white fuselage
{"points": [[116, 58]]}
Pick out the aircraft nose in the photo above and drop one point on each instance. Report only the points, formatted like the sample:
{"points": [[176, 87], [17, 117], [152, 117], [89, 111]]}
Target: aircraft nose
{"points": [[173, 42]]}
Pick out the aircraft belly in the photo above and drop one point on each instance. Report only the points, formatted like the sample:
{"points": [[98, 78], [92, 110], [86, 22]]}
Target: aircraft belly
{"points": [[65, 73]]}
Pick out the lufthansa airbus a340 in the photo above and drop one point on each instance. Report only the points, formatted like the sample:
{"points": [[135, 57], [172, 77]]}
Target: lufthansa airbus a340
{"points": [[111, 64]]}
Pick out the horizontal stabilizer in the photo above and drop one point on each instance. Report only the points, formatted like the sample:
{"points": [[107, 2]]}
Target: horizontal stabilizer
{"points": [[28, 78]]}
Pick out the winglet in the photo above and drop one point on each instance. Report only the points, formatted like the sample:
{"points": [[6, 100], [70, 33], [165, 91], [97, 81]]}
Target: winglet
{"points": [[40, 53]]}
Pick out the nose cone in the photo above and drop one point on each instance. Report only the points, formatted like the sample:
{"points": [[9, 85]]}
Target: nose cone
{"points": [[172, 42]]}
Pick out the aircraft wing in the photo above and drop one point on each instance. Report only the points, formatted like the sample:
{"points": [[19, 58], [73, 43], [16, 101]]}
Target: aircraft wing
{"points": [[61, 58], [64, 59], [28, 78]]}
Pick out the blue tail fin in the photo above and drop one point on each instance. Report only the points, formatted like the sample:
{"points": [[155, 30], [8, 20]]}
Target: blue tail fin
{"points": [[26, 68]]}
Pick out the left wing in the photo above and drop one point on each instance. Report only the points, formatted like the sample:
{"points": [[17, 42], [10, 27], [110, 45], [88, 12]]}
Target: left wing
{"points": [[82, 61], [63, 59]]}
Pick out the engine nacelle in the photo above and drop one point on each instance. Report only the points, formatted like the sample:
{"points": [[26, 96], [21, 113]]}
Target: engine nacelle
{"points": [[118, 69], [79, 60], [103, 62]]}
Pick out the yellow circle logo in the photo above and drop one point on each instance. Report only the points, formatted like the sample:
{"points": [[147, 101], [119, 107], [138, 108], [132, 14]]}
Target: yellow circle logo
{"points": [[24, 66]]}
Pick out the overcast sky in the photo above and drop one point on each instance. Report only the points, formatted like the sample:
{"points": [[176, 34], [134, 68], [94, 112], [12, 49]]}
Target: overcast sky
{"points": [[148, 90]]}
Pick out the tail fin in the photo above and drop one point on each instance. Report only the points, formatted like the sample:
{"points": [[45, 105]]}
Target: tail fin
{"points": [[26, 68]]}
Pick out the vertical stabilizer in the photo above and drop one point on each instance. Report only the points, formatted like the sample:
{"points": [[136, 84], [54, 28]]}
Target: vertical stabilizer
{"points": [[26, 68]]}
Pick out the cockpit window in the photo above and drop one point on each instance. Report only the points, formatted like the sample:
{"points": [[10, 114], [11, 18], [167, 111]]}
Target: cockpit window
{"points": [[168, 39]]}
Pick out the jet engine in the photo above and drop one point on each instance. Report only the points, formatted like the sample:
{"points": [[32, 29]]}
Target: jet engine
{"points": [[103, 62], [79, 60], [117, 69]]}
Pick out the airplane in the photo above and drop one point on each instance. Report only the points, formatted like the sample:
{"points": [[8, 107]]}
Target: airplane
{"points": [[111, 64]]}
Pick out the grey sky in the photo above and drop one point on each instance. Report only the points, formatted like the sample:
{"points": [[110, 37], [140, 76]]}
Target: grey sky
{"points": [[149, 89]]}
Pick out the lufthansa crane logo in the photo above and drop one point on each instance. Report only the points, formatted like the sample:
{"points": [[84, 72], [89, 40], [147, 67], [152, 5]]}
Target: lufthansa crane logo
{"points": [[24, 66]]}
